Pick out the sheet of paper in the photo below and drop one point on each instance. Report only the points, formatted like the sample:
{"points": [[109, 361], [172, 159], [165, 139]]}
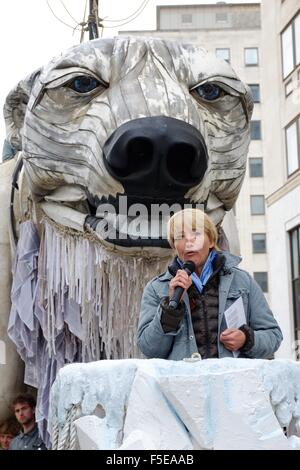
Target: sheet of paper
{"points": [[235, 317]]}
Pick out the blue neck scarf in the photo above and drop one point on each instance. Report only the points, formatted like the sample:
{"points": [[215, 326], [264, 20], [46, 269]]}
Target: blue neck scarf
{"points": [[206, 272]]}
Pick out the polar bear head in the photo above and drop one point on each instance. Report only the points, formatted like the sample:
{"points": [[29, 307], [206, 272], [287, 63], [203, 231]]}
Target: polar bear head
{"points": [[157, 122]]}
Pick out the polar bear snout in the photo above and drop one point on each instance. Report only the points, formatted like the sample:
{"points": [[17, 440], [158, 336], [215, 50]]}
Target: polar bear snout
{"points": [[154, 154]]}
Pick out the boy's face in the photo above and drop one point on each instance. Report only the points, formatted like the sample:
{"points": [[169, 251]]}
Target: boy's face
{"points": [[24, 413], [5, 440]]}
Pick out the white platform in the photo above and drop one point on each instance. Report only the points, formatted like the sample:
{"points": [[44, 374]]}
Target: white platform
{"points": [[157, 404]]}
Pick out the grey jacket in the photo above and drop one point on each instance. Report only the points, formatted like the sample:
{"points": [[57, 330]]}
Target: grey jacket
{"points": [[234, 283]]}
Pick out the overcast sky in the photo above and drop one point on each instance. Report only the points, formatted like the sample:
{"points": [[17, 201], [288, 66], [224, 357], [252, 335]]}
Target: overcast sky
{"points": [[30, 35]]}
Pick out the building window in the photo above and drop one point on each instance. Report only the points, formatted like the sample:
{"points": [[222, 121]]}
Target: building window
{"points": [[221, 17], [295, 260], [259, 243], [297, 38], [289, 87], [186, 18], [287, 51], [256, 167], [255, 92], [292, 134], [257, 205], [290, 46], [223, 54], [255, 130], [251, 56], [262, 280]]}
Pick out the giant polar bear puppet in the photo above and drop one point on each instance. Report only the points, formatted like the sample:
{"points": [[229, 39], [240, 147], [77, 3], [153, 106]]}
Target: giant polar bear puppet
{"points": [[156, 121]]}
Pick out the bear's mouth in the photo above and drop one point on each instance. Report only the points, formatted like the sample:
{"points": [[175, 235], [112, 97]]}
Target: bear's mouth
{"points": [[157, 160], [134, 221]]}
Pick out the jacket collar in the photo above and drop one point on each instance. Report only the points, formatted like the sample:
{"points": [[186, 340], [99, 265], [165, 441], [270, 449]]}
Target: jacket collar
{"points": [[30, 433], [229, 262]]}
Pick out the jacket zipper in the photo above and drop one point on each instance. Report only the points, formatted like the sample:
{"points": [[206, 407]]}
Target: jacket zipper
{"points": [[206, 329]]}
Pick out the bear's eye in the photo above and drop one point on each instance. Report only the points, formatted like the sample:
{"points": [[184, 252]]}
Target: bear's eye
{"points": [[84, 84], [209, 91]]}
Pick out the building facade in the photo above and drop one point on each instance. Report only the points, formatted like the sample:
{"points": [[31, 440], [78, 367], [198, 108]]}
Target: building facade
{"points": [[281, 117], [262, 43], [232, 32]]}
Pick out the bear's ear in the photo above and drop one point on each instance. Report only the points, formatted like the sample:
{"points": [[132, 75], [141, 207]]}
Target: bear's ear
{"points": [[15, 108]]}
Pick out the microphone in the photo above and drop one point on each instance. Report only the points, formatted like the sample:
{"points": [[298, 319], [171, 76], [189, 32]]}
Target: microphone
{"points": [[189, 267]]}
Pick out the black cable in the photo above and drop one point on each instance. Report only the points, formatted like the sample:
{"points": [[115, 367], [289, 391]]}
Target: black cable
{"points": [[128, 17], [61, 21], [122, 24], [61, 1]]}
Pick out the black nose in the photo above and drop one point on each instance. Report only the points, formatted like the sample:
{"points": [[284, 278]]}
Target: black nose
{"points": [[156, 156]]}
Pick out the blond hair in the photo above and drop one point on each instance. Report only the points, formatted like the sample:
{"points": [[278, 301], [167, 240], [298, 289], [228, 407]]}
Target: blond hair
{"points": [[194, 219]]}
